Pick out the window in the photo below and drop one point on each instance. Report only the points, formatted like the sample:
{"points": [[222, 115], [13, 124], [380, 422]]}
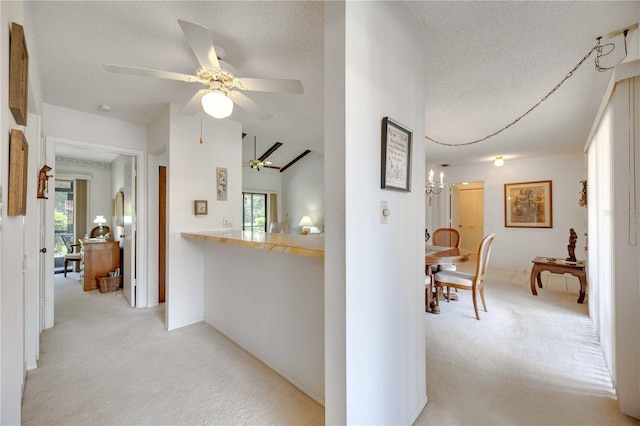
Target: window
{"points": [[63, 215], [254, 213]]}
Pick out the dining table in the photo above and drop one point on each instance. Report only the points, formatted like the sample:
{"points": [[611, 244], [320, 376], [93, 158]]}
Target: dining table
{"points": [[438, 255]]}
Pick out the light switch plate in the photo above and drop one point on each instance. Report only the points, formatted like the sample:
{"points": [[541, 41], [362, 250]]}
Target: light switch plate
{"points": [[227, 222], [384, 212]]}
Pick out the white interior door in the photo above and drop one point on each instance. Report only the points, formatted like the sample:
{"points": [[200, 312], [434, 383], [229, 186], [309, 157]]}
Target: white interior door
{"points": [[46, 241], [467, 214], [128, 238]]}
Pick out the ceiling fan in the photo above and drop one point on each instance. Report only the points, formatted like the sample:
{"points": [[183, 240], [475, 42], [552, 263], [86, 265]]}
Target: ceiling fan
{"points": [[256, 163], [223, 88]]}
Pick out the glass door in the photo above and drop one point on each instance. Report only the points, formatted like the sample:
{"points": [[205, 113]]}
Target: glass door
{"points": [[254, 213], [64, 219]]}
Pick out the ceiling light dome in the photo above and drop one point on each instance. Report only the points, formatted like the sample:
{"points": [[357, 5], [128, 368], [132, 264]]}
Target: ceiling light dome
{"points": [[217, 104], [499, 161]]}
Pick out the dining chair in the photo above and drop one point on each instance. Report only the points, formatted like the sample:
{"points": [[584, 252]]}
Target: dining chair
{"points": [[72, 255], [446, 237], [466, 281]]}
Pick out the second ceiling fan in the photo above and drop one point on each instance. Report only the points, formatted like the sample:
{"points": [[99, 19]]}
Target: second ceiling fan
{"points": [[256, 163], [223, 88]]}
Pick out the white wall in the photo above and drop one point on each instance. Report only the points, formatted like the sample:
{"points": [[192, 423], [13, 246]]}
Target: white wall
{"points": [[303, 192], [374, 282], [514, 248], [12, 246], [191, 176]]}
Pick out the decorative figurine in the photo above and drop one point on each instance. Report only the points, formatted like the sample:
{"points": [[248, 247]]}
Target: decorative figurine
{"points": [[43, 181], [573, 237]]}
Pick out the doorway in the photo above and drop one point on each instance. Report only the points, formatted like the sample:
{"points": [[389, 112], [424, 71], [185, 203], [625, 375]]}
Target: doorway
{"points": [[467, 213], [99, 201]]}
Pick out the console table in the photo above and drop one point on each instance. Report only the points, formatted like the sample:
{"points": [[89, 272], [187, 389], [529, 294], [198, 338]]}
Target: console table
{"points": [[100, 258], [558, 266]]}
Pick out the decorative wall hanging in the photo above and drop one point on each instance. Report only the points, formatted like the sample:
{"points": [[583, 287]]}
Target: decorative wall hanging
{"points": [[221, 183], [18, 74], [582, 202], [396, 156], [43, 181], [18, 160], [528, 205]]}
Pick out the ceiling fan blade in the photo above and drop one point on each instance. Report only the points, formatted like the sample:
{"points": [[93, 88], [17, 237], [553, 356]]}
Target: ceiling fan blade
{"points": [[199, 39], [250, 106], [194, 105], [123, 69], [270, 85]]}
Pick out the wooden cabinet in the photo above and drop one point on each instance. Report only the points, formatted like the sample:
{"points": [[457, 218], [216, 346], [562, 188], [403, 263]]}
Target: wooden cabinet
{"points": [[100, 258]]}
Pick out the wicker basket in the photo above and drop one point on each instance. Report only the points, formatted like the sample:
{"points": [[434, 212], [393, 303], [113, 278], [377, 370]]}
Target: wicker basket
{"points": [[107, 284]]}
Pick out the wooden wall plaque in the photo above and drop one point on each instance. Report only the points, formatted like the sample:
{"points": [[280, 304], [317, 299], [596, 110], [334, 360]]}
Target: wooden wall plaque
{"points": [[18, 160], [18, 74]]}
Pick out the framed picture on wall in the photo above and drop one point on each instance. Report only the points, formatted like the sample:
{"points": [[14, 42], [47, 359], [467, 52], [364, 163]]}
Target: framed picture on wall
{"points": [[396, 156], [528, 205], [200, 207], [18, 160], [119, 205]]}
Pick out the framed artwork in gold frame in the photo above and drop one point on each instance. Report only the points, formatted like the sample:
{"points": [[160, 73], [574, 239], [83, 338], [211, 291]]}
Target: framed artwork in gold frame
{"points": [[528, 205], [18, 74], [18, 160]]}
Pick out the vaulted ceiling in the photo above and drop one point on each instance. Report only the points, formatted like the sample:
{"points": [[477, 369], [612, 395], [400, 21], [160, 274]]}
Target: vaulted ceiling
{"points": [[487, 63]]}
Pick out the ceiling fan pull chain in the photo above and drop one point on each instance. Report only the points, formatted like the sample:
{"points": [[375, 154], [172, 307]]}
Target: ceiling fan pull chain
{"points": [[200, 127]]}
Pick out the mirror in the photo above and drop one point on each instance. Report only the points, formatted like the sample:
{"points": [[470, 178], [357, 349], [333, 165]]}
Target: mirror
{"points": [[120, 208]]}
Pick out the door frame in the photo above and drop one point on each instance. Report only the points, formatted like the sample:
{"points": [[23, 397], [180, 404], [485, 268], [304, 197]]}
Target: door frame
{"points": [[141, 213]]}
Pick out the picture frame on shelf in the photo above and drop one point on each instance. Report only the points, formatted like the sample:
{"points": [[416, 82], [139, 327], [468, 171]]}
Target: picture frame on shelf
{"points": [[18, 161], [200, 207], [528, 204], [395, 156], [18, 74]]}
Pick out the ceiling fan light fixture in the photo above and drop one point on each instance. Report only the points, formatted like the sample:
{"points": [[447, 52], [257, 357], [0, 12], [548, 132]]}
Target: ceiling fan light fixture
{"points": [[217, 104]]}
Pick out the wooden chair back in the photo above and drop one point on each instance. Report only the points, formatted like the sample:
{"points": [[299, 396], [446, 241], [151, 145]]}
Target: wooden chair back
{"points": [[446, 237]]}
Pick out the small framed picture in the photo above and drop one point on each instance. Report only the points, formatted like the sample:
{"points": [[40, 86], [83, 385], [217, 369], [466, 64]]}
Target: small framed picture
{"points": [[200, 207], [396, 156], [528, 205]]}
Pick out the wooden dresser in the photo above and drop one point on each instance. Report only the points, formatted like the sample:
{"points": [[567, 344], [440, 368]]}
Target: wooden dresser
{"points": [[100, 258]]}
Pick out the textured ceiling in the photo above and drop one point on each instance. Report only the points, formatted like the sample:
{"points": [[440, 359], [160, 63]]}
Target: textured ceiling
{"points": [[487, 63]]}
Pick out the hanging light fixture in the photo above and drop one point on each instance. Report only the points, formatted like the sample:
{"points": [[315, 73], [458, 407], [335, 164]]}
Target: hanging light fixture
{"points": [[432, 187], [217, 104], [498, 162]]}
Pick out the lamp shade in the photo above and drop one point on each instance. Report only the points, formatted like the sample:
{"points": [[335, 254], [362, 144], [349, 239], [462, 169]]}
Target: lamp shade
{"points": [[305, 221], [217, 104], [100, 220]]}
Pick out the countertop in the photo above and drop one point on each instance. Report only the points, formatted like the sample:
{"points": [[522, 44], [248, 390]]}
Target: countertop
{"points": [[311, 245]]}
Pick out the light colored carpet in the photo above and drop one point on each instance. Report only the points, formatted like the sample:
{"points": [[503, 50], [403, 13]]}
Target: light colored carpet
{"points": [[106, 363], [530, 360]]}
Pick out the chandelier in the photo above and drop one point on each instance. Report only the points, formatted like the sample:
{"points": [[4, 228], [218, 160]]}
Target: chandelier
{"points": [[432, 187]]}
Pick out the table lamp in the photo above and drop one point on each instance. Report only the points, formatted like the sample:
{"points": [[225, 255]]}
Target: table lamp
{"points": [[100, 220], [305, 222]]}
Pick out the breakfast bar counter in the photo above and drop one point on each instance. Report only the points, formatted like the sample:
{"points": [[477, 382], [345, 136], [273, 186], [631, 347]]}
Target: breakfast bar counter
{"points": [[301, 245], [265, 291]]}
